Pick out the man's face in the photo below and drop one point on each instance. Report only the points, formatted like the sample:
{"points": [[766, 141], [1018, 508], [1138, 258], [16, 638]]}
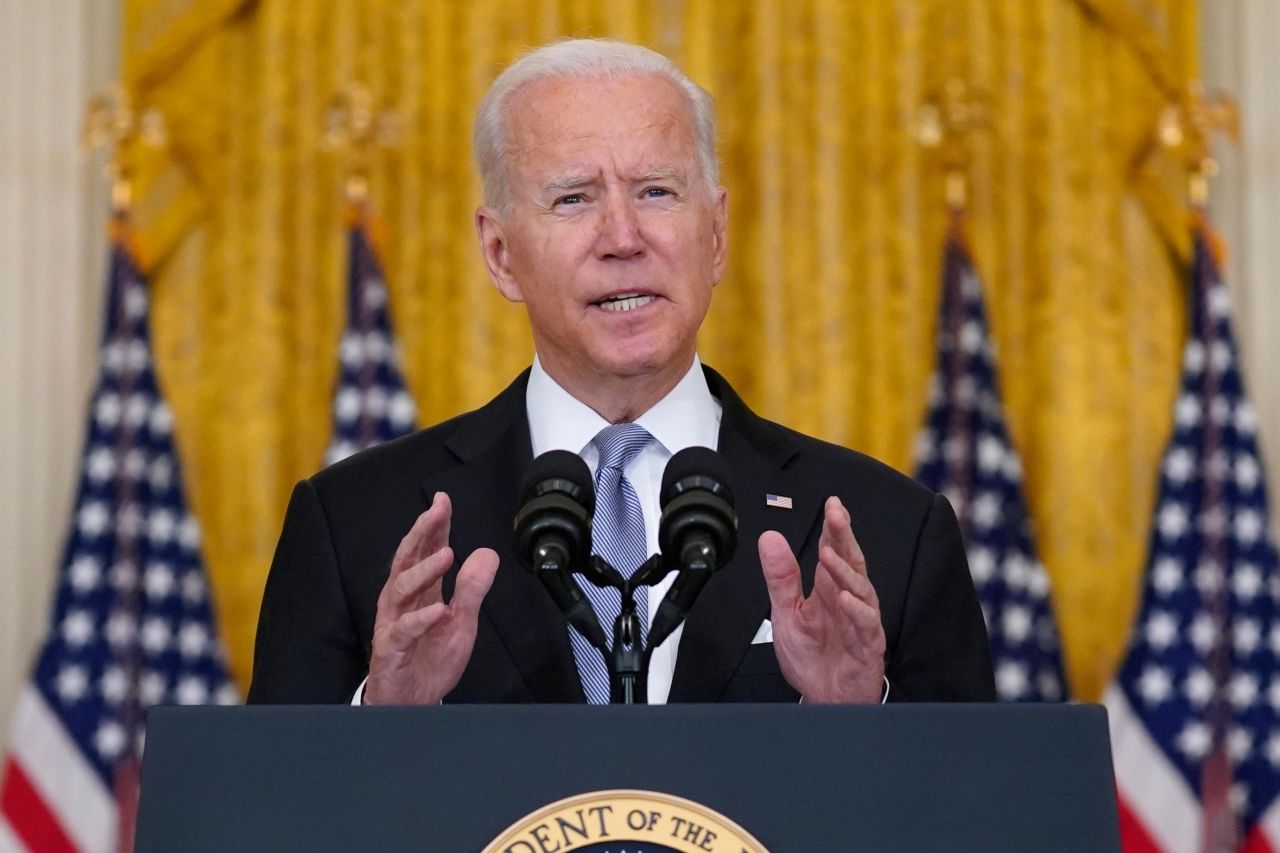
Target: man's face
{"points": [[613, 238]]}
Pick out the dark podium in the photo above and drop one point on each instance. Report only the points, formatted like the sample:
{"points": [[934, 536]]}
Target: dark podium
{"points": [[798, 779]]}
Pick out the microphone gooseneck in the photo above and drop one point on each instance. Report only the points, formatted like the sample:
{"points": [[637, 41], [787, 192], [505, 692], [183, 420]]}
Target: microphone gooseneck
{"points": [[697, 533], [553, 534]]}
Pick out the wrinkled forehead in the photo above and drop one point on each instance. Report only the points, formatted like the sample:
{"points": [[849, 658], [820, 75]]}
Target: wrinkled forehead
{"points": [[636, 123]]}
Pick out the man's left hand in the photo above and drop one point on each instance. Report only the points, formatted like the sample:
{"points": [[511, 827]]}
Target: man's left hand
{"points": [[830, 645]]}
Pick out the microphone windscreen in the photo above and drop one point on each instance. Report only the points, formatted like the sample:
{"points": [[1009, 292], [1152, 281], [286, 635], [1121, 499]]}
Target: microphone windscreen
{"points": [[559, 470], [696, 467]]}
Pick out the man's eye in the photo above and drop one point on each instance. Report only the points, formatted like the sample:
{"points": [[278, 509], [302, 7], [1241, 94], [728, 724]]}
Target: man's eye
{"points": [[576, 198], [656, 192]]}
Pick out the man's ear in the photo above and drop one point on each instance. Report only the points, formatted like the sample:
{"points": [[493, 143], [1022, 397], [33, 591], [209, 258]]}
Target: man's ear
{"points": [[491, 229], [719, 233]]}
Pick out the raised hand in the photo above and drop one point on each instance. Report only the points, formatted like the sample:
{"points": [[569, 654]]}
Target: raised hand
{"points": [[421, 645], [830, 645]]}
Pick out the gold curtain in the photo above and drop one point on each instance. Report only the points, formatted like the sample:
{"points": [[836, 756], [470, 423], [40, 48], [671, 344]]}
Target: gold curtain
{"points": [[826, 316]]}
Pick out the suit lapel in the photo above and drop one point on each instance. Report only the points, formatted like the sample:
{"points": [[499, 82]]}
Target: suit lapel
{"points": [[494, 450], [730, 609]]}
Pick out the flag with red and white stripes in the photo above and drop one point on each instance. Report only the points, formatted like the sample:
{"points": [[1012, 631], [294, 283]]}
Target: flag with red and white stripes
{"points": [[132, 625], [1195, 707], [370, 401], [964, 450]]}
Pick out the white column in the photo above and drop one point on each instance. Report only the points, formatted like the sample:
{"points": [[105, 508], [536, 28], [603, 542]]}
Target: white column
{"points": [[54, 54], [1239, 40]]}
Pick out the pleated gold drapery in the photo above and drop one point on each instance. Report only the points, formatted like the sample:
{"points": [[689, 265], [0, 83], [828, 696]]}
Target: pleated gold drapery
{"points": [[826, 316]]}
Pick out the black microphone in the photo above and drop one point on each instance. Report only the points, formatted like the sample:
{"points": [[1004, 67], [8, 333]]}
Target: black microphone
{"points": [[553, 534], [698, 531]]}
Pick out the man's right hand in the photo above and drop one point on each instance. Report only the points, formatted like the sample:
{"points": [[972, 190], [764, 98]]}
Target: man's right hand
{"points": [[420, 644]]}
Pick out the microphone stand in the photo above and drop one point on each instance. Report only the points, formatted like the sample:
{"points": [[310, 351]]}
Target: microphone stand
{"points": [[629, 659], [629, 670]]}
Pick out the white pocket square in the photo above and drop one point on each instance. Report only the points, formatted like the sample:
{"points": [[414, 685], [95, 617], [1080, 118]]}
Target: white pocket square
{"points": [[764, 634]]}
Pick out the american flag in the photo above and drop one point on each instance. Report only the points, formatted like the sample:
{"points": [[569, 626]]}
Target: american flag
{"points": [[965, 453], [132, 624], [370, 403], [1195, 706]]}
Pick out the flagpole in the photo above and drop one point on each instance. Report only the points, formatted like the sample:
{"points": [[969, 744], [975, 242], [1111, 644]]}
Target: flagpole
{"points": [[1187, 129], [1193, 706], [371, 403], [965, 451], [111, 124]]}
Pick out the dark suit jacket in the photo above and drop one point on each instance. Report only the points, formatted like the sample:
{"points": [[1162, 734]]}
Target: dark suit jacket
{"points": [[343, 525]]}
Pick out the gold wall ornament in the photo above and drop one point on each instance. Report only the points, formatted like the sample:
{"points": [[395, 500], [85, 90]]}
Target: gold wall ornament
{"points": [[944, 124], [355, 126], [113, 125], [1187, 128]]}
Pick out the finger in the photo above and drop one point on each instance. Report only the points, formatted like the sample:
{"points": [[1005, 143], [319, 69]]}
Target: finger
{"points": [[411, 627], [839, 526], [419, 585], [830, 576], [438, 535], [861, 631], [845, 577], [832, 518], [474, 580], [429, 532], [781, 573], [410, 550]]}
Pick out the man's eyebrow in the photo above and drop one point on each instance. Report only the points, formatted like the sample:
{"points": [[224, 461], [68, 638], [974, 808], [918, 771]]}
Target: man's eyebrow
{"points": [[664, 173], [569, 182], [578, 181]]}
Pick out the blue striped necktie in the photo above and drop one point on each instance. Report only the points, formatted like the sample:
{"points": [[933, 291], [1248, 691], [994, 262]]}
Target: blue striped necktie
{"points": [[617, 534]]}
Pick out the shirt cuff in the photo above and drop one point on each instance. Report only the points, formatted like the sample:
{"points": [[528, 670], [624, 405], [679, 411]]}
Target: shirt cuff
{"points": [[884, 697]]}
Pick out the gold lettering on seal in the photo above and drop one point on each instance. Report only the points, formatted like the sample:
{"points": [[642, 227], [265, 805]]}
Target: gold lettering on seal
{"points": [[625, 816]]}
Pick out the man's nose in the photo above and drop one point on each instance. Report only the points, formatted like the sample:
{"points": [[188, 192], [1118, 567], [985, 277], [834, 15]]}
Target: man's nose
{"points": [[619, 233]]}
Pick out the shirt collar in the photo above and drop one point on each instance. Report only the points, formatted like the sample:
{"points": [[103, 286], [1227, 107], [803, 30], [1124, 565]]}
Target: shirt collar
{"points": [[689, 416]]}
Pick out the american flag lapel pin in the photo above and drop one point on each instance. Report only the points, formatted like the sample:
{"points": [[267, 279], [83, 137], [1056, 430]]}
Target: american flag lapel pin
{"points": [[779, 501]]}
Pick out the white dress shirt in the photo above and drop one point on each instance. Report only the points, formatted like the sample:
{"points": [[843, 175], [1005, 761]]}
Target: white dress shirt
{"points": [[689, 416]]}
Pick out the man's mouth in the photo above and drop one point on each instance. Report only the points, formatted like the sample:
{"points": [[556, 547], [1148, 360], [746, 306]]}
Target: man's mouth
{"points": [[626, 302]]}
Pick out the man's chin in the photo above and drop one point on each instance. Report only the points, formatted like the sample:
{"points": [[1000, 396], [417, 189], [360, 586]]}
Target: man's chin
{"points": [[632, 364], [606, 358]]}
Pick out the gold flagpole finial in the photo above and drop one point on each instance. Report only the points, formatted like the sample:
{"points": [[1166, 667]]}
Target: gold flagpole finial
{"points": [[1187, 128], [112, 124], [354, 126], [943, 123]]}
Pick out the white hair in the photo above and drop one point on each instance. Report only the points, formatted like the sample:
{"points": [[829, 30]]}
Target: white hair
{"points": [[585, 59]]}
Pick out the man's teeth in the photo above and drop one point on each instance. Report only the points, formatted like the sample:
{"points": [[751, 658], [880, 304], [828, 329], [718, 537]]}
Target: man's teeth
{"points": [[625, 303]]}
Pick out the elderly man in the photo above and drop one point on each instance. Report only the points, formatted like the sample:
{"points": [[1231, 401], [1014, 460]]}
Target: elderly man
{"points": [[603, 216]]}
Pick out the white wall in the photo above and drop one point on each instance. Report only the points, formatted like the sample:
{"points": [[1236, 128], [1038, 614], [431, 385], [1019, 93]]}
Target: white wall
{"points": [[1241, 55], [54, 54]]}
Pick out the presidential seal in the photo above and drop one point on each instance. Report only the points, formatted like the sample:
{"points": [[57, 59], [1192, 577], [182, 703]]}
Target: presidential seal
{"points": [[625, 822]]}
